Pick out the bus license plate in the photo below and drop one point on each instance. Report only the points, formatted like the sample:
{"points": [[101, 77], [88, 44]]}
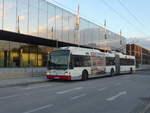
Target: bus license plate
{"points": [[56, 77]]}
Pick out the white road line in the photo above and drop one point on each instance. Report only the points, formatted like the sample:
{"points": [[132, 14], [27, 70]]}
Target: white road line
{"points": [[126, 77], [69, 90], [102, 89], [79, 96], [28, 88], [118, 84], [6, 97], [38, 109], [116, 96]]}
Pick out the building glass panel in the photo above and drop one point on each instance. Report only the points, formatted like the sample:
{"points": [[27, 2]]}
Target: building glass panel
{"points": [[51, 21], [33, 17], [22, 14], [43, 54], [82, 31], [15, 59], [1, 13], [65, 26], [33, 50], [91, 34], [93, 38], [24, 55], [43, 19], [10, 15], [96, 35], [71, 34], [4, 53], [86, 33], [58, 24]]}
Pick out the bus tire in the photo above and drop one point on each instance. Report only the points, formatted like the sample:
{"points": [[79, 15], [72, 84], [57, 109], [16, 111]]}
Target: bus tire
{"points": [[131, 70], [84, 75], [112, 72]]}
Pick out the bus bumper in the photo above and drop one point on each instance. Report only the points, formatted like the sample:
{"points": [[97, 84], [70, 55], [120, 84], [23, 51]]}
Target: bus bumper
{"points": [[59, 77]]}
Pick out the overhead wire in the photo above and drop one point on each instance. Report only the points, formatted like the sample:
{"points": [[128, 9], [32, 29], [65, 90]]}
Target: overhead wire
{"points": [[122, 17], [133, 16], [82, 15]]}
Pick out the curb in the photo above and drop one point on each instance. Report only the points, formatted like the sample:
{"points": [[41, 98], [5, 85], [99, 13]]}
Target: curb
{"points": [[24, 83], [142, 69]]}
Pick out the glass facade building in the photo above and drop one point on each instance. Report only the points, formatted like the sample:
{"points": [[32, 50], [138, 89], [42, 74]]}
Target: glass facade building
{"points": [[41, 19]]}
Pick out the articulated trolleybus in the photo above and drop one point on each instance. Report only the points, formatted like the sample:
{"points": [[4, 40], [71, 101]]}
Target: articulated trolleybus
{"points": [[75, 63]]}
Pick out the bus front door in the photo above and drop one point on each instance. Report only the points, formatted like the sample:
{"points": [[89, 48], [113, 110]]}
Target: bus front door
{"points": [[117, 64]]}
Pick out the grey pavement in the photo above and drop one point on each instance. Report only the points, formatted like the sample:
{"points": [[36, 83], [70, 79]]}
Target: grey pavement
{"points": [[128, 93], [22, 81]]}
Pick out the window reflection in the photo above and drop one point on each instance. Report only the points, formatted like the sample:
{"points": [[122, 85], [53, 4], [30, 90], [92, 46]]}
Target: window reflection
{"points": [[71, 20], [65, 26], [4, 53], [51, 21], [22, 13], [10, 15], [33, 17], [59, 24], [42, 19], [1, 13], [14, 54], [45, 20]]}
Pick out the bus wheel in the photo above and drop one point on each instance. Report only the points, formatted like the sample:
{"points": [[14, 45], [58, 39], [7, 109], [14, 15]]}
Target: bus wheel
{"points": [[131, 70], [84, 75], [112, 72]]}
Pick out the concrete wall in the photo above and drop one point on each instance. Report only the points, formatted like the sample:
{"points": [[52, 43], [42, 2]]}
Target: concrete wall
{"points": [[9, 73]]}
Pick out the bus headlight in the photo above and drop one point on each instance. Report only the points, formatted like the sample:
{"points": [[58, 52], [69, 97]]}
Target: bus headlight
{"points": [[67, 73]]}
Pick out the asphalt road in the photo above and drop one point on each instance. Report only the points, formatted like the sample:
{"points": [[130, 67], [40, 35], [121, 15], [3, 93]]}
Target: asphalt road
{"points": [[128, 93]]}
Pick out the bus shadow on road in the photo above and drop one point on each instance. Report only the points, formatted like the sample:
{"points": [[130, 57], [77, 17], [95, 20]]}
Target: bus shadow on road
{"points": [[90, 79]]}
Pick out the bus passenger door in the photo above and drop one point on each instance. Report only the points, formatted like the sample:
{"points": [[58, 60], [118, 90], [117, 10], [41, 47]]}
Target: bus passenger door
{"points": [[117, 64], [93, 66]]}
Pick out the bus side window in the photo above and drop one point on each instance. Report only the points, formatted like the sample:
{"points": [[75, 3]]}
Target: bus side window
{"points": [[81, 61], [76, 61], [71, 65], [87, 61]]}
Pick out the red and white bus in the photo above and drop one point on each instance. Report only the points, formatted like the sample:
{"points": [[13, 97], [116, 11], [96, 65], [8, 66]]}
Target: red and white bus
{"points": [[75, 63]]}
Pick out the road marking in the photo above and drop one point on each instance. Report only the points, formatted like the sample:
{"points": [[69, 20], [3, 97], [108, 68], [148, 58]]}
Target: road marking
{"points": [[102, 89], [126, 77], [38, 109], [116, 96], [69, 90], [6, 97], [79, 96], [28, 88], [118, 84]]}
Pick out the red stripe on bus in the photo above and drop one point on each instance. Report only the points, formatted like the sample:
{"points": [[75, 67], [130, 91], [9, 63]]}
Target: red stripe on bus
{"points": [[58, 77]]}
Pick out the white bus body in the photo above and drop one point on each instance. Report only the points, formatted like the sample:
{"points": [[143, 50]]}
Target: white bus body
{"points": [[75, 63]]}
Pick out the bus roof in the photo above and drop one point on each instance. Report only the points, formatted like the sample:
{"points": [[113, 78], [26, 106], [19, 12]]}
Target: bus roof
{"points": [[85, 51], [80, 51]]}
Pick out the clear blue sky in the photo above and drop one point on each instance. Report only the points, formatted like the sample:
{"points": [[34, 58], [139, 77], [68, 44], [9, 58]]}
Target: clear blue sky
{"points": [[98, 11]]}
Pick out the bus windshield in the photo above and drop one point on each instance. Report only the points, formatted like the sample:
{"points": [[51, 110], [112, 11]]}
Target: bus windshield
{"points": [[58, 59]]}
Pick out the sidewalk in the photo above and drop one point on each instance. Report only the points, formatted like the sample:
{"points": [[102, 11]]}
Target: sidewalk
{"points": [[143, 68], [22, 81]]}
